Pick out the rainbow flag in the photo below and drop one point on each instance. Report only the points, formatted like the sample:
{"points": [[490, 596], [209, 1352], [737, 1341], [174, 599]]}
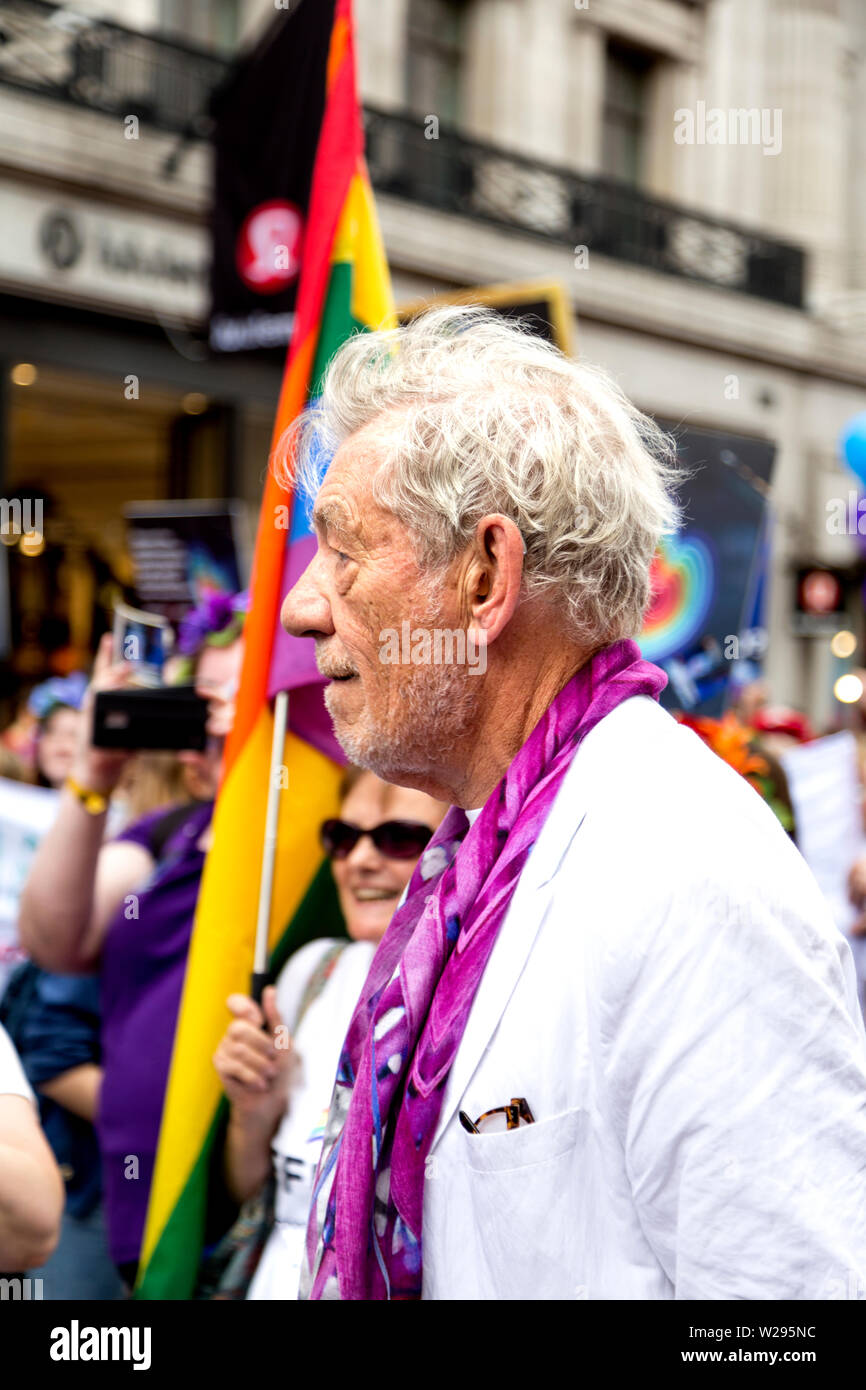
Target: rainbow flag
{"points": [[344, 288]]}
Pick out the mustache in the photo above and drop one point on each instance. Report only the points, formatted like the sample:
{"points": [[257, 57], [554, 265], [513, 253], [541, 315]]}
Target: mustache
{"points": [[333, 669]]}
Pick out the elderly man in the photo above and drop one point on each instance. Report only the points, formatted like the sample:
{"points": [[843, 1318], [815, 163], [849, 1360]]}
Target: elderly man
{"points": [[609, 1046]]}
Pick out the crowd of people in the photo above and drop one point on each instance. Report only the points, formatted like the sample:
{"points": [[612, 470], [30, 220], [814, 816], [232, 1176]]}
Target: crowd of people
{"points": [[91, 1010], [106, 913]]}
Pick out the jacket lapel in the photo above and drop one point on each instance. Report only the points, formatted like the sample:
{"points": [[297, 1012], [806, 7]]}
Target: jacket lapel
{"points": [[515, 941]]}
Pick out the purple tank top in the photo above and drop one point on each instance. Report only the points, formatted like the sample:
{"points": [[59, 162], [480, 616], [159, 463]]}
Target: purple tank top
{"points": [[143, 964]]}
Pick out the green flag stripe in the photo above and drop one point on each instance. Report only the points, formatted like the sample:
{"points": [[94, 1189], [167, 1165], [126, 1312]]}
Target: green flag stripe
{"points": [[337, 323], [174, 1265]]}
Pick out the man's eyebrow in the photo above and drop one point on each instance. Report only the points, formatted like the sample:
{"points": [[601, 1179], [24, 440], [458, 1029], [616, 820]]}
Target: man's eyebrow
{"points": [[329, 517]]}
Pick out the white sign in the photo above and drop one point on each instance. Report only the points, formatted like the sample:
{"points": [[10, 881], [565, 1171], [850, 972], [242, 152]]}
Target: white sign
{"points": [[26, 813], [89, 252], [826, 795]]}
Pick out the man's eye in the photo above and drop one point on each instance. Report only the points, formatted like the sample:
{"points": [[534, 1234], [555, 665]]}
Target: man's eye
{"points": [[341, 555]]}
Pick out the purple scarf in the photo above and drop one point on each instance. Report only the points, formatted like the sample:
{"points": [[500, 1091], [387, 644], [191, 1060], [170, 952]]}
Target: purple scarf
{"points": [[364, 1234]]}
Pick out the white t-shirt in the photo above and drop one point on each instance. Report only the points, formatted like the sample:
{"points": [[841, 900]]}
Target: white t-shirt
{"points": [[13, 1082], [298, 1141]]}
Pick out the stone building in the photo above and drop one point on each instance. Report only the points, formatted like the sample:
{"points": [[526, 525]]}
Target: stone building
{"points": [[691, 172]]}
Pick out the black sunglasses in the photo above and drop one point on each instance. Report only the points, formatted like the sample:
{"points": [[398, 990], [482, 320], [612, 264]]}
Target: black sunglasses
{"points": [[396, 839]]}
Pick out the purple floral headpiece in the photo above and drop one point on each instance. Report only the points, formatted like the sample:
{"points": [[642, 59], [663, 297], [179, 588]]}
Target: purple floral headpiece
{"points": [[66, 691], [217, 615]]}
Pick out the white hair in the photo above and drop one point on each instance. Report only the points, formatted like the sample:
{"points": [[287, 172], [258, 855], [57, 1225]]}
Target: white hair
{"points": [[480, 416]]}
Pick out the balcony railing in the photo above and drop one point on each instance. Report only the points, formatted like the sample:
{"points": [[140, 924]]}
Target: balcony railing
{"points": [[478, 180], [94, 63], [105, 67]]}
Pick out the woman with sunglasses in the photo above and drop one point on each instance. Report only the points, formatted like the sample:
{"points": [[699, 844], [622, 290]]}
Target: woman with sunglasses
{"points": [[279, 1080]]}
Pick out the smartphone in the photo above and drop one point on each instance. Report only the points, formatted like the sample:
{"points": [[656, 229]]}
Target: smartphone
{"points": [[166, 719], [143, 640]]}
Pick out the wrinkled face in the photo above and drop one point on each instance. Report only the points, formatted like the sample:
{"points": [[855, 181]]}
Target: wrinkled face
{"points": [[368, 884], [392, 715], [57, 745]]}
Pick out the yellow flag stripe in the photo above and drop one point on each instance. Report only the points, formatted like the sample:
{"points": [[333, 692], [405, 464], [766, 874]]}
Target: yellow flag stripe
{"points": [[221, 951]]}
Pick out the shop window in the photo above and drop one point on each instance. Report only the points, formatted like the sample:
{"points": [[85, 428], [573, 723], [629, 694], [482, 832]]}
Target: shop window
{"points": [[81, 447]]}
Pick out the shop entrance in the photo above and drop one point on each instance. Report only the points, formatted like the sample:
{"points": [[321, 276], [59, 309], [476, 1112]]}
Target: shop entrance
{"points": [[86, 445]]}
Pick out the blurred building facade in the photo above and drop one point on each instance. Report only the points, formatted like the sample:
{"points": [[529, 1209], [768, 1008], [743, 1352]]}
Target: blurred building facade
{"points": [[718, 270], [109, 392]]}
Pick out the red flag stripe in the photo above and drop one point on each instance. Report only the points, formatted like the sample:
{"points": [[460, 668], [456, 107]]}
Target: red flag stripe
{"points": [[339, 151]]}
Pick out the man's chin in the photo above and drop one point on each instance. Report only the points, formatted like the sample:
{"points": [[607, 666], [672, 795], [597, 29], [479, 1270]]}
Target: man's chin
{"points": [[338, 697], [437, 708], [363, 746]]}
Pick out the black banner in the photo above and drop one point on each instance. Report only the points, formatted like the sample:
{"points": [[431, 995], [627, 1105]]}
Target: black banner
{"points": [[268, 115], [217, 1343]]}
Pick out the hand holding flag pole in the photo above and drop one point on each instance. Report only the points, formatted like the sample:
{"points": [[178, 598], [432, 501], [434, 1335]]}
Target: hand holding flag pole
{"points": [[261, 974]]}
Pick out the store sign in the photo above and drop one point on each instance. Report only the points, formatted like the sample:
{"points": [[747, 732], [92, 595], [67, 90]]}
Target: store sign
{"points": [[541, 306], [820, 601], [87, 252], [185, 552], [268, 250], [267, 120]]}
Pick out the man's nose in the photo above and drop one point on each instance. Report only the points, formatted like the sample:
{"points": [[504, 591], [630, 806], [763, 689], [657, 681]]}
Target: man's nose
{"points": [[305, 611]]}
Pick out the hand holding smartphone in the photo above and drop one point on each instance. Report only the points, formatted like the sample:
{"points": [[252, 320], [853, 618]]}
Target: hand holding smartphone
{"points": [[144, 713]]}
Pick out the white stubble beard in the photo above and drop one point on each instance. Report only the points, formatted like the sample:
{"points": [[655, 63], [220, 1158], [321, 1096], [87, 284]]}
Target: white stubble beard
{"points": [[440, 708]]}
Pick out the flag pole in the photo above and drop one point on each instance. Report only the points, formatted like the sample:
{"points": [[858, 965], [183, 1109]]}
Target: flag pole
{"points": [[269, 851]]}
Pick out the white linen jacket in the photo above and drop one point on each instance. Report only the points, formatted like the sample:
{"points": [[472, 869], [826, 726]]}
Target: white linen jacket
{"points": [[670, 995]]}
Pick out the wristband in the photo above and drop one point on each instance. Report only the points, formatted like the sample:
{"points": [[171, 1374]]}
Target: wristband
{"points": [[93, 802]]}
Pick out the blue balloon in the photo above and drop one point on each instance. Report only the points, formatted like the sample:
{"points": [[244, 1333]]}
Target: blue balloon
{"points": [[852, 445]]}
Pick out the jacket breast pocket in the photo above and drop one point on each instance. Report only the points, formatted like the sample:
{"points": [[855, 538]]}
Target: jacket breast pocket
{"points": [[516, 1148], [527, 1207]]}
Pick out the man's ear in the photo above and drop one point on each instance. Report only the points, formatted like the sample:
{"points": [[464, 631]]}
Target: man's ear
{"points": [[495, 575]]}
